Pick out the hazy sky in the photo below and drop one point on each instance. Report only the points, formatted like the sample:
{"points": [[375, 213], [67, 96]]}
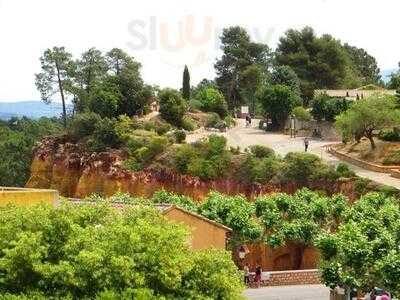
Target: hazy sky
{"points": [[164, 35]]}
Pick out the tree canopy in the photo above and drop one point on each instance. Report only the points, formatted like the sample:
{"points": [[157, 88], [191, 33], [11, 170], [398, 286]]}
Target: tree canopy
{"points": [[97, 252], [363, 252], [365, 116], [239, 53]]}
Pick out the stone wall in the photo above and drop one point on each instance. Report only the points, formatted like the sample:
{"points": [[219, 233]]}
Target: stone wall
{"points": [[298, 277]]}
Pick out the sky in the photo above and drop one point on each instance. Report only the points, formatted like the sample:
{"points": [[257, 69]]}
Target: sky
{"points": [[165, 35]]}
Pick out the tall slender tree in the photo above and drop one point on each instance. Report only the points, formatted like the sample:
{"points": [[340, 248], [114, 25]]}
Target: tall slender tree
{"points": [[186, 84], [56, 76]]}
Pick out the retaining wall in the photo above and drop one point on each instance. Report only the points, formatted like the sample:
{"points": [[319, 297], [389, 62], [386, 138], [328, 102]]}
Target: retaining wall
{"points": [[298, 277]]}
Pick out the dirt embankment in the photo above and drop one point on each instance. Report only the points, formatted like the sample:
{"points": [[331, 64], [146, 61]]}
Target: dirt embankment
{"points": [[66, 167]]}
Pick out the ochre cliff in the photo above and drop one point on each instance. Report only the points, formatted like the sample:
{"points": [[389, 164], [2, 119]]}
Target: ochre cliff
{"points": [[75, 173]]}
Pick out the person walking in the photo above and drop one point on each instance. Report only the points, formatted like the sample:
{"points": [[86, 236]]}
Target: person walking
{"points": [[258, 276], [246, 271], [306, 144]]}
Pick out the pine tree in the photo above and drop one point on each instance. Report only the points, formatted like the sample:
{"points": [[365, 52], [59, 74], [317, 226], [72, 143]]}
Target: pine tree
{"points": [[186, 84]]}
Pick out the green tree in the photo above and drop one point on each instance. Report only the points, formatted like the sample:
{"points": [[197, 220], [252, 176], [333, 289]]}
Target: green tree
{"points": [[251, 79], [284, 75], [186, 84], [57, 70], [125, 72], [17, 138], [298, 219], [364, 117], [105, 98], [97, 252], [172, 106], [365, 64], [319, 62], [235, 212], [238, 54], [363, 252], [211, 100], [278, 102], [91, 69]]}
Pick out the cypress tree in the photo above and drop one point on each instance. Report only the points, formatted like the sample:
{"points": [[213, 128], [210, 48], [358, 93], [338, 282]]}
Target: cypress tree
{"points": [[186, 84]]}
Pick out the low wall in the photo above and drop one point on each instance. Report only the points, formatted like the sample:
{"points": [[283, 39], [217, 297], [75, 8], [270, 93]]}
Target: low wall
{"points": [[393, 170], [298, 277], [26, 197]]}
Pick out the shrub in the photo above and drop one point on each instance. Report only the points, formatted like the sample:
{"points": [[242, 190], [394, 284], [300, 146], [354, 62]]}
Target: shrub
{"points": [[260, 151], [212, 101], [392, 159], [257, 170], [207, 159], [301, 114], [389, 135], [104, 136], [172, 106], [171, 198], [213, 120], [180, 136], [83, 125], [344, 171], [188, 124], [230, 121], [326, 107], [299, 167]]}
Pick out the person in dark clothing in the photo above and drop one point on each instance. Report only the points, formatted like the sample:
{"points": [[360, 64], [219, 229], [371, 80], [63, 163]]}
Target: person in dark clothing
{"points": [[306, 144], [258, 276]]}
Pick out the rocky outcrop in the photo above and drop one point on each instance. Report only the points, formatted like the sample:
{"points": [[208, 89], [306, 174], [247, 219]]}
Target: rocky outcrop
{"points": [[75, 173]]}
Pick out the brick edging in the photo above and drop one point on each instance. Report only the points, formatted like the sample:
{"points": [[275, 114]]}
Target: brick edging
{"points": [[296, 277]]}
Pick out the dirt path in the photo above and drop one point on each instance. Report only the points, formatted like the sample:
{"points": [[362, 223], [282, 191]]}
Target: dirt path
{"points": [[283, 144]]}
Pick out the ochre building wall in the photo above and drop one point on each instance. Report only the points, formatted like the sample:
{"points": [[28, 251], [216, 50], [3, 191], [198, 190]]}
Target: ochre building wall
{"points": [[204, 235], [26, 197]]}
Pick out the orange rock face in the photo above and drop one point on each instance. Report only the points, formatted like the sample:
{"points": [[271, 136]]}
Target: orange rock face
{"points": [[75, 173]]}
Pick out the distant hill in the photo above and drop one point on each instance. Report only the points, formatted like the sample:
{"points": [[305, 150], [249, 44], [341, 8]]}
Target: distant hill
{"points": [[30, 109]]}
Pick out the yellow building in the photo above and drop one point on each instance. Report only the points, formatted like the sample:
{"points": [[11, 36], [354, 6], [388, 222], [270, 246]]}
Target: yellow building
{"points": [[206, 233], [25, 197]]}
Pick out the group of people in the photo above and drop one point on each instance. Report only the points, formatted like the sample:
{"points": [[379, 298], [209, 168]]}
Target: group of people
{"points": [[257, 275]]}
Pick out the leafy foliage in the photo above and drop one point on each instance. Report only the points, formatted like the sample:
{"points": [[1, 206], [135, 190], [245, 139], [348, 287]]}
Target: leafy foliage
{"points": [[328, 108], [211, 100], [299, 218], [301, 114], [207, 159], [94, 251], [363, 252], [364, 117], [235, 212], [278, 102], [17, 139], [172, 107]]}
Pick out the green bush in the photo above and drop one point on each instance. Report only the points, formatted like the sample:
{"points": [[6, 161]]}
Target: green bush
{"points": [[258, 170], [104, 136], [389, 136], [301, 114], [83, 125], [171, 198], [260, 151], [172, 106], [344, 171], [208, 159], [180, 136], [188, 124], [326, 107], [300, 167], [97, 252], [213, 120], [392, 159], [230, 121], [212, 101]]}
